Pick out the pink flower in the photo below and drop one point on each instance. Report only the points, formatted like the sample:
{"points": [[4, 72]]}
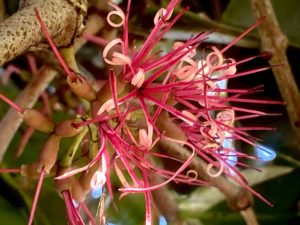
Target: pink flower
{"points": [[158, 90]]}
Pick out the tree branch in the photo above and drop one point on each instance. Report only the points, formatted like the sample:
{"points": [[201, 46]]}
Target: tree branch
{"points": [[237, 197], [274, 41], [21, 31], [164, 201], [28, 97], [249, 216]]}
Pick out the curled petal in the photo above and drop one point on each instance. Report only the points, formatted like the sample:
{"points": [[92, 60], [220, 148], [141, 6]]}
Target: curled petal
{"points": [[218, 173], [146, 138], [192, 174], [117, 58], [107, 106], [9, 70], [203, 68], [162, 14], [214, 59], [191, 116], [212, 129], [230, 68], [138, 78], [118, 12], [179, 44], [187, 72]]}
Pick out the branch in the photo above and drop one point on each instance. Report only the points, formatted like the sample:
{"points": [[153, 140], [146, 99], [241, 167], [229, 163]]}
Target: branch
{"points": [[249, 216], [21, 31], [28, 97], [274, 41], [237, 198], [164, 201]]}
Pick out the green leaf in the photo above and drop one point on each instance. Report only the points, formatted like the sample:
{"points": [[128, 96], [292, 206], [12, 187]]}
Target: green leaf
{"points": [[277, 190], [130, 210], [11, 215]]}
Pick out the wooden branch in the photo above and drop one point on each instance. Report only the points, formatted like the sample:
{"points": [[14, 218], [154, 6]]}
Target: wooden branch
{"points": [[164, 201], [274, 41], [28, 97], [249, 216], [22, 31], [237, 198]]}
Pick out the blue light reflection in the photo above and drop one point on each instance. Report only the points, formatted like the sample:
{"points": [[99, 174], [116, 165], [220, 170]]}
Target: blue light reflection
{"points": [[162, 221], [264, 153], [96, 192]]}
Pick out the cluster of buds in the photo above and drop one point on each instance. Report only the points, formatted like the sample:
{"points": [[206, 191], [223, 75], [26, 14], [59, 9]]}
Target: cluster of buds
{"points": [[149, 98]]}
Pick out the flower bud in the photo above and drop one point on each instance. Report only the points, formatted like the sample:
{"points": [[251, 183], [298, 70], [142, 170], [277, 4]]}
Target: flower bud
{"points": [[82, 88], [77, 191], [49, 153], [37, 120], [62, 184], [87, 176], [30, 170], [69, 184], [66, 128]]}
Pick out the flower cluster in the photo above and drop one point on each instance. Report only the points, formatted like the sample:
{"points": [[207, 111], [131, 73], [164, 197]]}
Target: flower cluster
{"points": [[177, 97]]}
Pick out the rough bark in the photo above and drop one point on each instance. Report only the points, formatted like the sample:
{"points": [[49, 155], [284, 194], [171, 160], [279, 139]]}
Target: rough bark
{"points": [[274, 41], [22, 31]]}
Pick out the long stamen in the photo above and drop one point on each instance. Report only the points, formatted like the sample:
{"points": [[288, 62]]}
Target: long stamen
{"points": [[36, 196], [72, 76], [12, 104]]}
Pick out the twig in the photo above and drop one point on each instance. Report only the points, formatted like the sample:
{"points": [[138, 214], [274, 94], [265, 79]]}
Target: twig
{"points": [[237, 198], [249, 216], [28, 97], [165, 202], [274, 41]]}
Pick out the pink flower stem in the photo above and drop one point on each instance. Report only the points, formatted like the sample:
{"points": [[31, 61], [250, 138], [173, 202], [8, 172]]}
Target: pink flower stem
{"points": [[25, 138], [72, 76], [97, 40], [36, 197], [148, 219], [11, 103], [10, 170]]}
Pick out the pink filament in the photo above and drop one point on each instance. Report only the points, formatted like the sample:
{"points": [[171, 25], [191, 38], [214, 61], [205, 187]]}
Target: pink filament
{"points": [[36, 197]]}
